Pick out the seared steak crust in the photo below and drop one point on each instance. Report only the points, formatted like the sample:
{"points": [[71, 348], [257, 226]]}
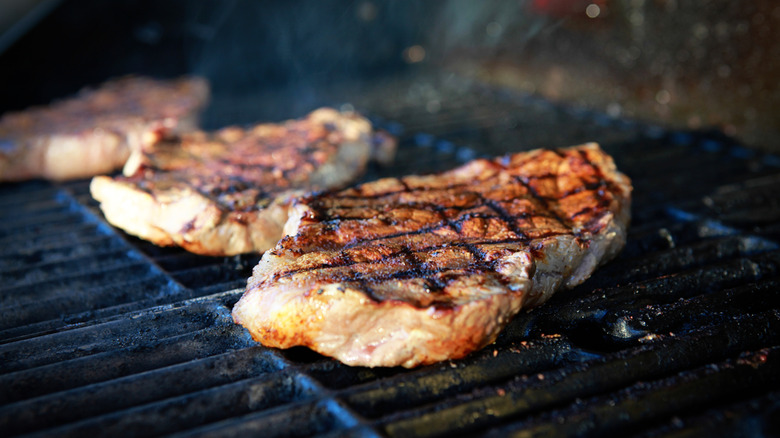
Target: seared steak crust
{"points": [[226, 192], [95, 131], [415, 270]]}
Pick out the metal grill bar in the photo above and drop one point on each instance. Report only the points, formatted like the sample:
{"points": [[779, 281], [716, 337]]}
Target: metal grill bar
{"points": [[205, 406], [550, 389], [648, 401], [56, 409], [748, 418], [110, 365], [58, 252], [119, 333], [54, 236], [87, 296], [408, 391]]}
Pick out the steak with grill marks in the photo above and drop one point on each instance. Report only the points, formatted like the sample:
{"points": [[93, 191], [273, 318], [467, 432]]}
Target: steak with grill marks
{"points": [[414, 270], [94, 132], [227, 192]]}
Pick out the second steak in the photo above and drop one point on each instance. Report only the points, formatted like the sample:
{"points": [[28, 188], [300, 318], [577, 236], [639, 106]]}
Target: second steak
{"points": [[227, 192]]}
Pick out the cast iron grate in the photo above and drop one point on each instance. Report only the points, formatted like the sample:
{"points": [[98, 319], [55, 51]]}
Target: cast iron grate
{"points": [[103, 334]]}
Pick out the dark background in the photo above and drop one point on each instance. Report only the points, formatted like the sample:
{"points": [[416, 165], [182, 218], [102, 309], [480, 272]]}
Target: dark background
{"points": [[699, 64], [241, 46]]}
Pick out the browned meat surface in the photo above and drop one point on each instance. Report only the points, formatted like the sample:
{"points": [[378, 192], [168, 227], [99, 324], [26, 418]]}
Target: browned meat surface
{"points": [[94, 132], [227, 192], [414, 270]]}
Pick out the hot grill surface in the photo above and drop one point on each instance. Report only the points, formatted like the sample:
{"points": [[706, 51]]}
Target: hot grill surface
{"points": [[103, 334]]}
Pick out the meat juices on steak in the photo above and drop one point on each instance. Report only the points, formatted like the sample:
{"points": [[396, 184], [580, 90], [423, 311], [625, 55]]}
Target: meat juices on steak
{"points": [[94, 132], [227, 192], [415, 270]]}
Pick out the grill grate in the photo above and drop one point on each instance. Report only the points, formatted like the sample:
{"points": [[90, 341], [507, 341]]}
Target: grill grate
{"points": [[103, 334]]}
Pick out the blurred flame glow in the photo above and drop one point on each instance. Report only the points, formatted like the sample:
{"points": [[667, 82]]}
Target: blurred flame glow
{"points": [[414, 54], [367, 11], [663, 97]]}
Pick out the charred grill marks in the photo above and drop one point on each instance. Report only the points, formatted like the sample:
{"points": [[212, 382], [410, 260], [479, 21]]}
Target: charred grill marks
{"points": [[505, 217], [421, 271], [249, 180], [236, 182], [332, 222]]}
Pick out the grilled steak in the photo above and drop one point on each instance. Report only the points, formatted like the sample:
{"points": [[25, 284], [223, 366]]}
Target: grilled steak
{"points": [[226, 192], [94, 132], [414, 270]]}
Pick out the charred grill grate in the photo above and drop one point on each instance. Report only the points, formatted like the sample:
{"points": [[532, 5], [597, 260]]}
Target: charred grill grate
{"points": [[103, 334]]}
